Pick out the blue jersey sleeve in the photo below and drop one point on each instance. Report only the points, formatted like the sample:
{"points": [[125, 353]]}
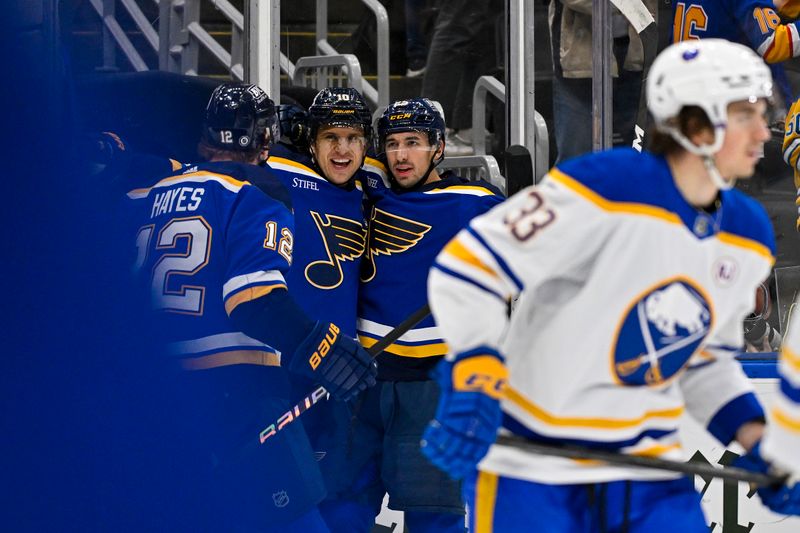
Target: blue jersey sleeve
{"points": [[259, 240]]}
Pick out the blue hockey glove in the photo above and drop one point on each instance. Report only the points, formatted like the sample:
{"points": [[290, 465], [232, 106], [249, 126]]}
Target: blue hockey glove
{"points": [[335, 361], [468, 414], [785, 498]]}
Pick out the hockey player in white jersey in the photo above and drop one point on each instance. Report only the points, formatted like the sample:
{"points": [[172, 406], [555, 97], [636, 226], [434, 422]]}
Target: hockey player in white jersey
{"points": [[634, 273], [782, 439]]}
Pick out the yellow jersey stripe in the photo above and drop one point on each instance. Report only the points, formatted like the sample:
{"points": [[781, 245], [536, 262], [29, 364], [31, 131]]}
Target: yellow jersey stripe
{"points": [[249, 294], [781, 48], [611, 206], [792, 359], [748, 244], [485, 498], [234, 183], [426, 350], [596, 423], [176, 165], [236, 357], [459, 251], [477, 191], [785, 420], [656, 450], [375, 163]]}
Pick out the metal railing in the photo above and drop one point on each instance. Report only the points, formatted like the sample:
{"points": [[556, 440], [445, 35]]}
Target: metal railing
{"points": [[328, 71], [178, 38], [475, 167], [378, 97], [540, 150], [113, 34]]}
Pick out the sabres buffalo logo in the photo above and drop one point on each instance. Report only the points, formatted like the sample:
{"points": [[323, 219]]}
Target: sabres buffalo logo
{"points": [[344, 240], [660, 333], [389, 234]]}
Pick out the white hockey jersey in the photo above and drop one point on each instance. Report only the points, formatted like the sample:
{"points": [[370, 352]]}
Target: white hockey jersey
{"points": [[782, 440], [630, 311]]}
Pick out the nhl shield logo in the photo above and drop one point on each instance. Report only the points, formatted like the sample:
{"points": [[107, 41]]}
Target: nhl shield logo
{"points": [[280, 498], [660, 332]]}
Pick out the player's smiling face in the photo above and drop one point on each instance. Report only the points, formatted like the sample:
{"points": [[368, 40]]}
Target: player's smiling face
{"points": [[409, 155], [744, 139], [339, 152]]}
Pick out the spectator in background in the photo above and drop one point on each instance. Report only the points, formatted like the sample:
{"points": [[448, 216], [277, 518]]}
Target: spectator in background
{"points": [[416, 47], [791, 150], [571, 41], [461, 51]]}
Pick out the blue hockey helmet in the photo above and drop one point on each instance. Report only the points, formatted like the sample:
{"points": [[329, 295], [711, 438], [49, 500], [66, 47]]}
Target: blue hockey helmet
{"points": [[237, 117], [417, 114], [340, 107]]}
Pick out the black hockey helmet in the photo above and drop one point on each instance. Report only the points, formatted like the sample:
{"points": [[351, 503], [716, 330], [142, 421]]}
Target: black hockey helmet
{"points": [[341, 107], [237, 116], [294, 123], [418, 114]]}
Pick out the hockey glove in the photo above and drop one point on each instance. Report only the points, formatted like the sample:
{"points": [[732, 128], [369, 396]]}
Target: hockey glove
{"points": [[335, 361], [468, 414], [785, 498]]}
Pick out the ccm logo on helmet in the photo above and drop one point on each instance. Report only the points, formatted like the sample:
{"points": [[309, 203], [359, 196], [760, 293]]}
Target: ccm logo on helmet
{"points": [[324, 346], [400, 116]]}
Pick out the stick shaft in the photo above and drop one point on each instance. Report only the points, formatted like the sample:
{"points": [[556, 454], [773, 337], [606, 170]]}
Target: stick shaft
{"points": [[579, 452], [318, 394]]}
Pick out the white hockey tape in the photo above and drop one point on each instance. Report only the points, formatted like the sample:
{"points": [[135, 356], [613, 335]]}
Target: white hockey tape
{"points": [[636, 13]]}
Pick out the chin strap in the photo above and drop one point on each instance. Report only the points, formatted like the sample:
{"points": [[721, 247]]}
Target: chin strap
{"points": [[706, 151]]}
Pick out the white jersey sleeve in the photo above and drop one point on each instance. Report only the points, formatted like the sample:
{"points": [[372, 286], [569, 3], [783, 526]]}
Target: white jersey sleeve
{"points": [[517, 245], [782, 440], [715, 388]]}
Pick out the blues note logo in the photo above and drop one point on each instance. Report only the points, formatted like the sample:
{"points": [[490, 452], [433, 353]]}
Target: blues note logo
{"points": [[344, 240], [660, 333], [389, 234]]}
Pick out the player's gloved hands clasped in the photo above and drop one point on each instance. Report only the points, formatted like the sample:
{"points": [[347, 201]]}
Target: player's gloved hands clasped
{"points": [[468, 414], [335, 361], [784, 498]]}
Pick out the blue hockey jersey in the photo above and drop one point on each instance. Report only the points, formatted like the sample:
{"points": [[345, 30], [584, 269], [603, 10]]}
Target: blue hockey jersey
{"points": [[406, 232], [330, 236], [211, 238]]}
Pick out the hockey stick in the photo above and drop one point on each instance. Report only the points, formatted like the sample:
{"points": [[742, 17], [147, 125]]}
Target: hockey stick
{"points": [[320, 393], [730, 473], [645, 25]]}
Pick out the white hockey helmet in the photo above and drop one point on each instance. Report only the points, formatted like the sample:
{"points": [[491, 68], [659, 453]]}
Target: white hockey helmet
{"points": [[707, 73]]}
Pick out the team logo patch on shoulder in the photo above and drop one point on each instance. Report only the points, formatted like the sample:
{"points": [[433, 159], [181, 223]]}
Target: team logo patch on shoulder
{"points": [[344, 240], [660, 332], [389, 234]]}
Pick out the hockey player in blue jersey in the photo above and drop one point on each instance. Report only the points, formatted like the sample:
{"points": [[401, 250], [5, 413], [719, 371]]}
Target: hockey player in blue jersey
{"points": [[214, 245], [408, 224], [322, 173], [633, 273]]}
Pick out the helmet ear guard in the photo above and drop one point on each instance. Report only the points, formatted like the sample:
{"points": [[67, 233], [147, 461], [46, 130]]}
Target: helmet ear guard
{"points": [[240, 117]]}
